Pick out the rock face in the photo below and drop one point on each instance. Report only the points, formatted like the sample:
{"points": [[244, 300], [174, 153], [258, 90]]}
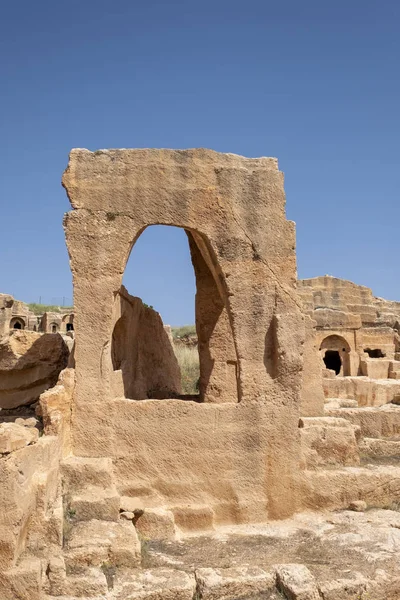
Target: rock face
{"points": [[29, 364], [143, 360], [227, 450]]}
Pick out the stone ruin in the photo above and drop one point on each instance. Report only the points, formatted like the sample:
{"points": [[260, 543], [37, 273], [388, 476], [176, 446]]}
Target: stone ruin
{"points": [[17, 316], [123, 488]]}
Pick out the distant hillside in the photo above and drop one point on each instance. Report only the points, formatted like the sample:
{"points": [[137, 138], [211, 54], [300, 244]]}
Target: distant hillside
{"points": [[39, 309], [184, 332]]}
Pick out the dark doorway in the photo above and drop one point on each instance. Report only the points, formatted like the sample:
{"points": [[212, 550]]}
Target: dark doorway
{"points": [[54, 328], [376, 353], [70, 327], [333, 361], [17, 325]]}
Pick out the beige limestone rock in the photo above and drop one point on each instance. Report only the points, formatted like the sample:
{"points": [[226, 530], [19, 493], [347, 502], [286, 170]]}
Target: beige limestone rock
{"points": [[336, 488], [328, 441], [133, 505], [367, 392], [89, 583], [29, 492], [353, 588], [233, 583], [140, 359], [296, 582], [375, 368], [95, 503], [374, 422], [94, 542], [128, 516], [13, 437], [154, 584], [312, 393], [378, 448], [156, 524], [29, 364], [80, 472], [193, 518], [22, 582], [56, 574], [358, 505]]}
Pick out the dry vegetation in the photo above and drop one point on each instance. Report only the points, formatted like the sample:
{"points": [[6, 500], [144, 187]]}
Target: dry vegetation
{"points": [[185, 331], [39, 309], [188, 360]]}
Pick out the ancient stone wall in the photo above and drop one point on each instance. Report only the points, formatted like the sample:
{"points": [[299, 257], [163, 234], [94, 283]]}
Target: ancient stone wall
{"points": [[357, 336], [236, 451], [31, 517]]}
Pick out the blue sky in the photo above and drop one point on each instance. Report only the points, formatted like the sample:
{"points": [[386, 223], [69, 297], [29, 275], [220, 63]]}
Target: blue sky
{"points": [[314, 83]]}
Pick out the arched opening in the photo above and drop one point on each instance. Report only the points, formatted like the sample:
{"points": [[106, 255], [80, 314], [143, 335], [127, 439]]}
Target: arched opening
{"points": [[70, 327], [333, 361], [54, 328], [17, 323], [335, 352], [174, 273]]}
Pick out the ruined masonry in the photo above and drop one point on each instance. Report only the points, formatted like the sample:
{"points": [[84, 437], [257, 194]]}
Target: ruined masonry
{"points": [[116, 486]]}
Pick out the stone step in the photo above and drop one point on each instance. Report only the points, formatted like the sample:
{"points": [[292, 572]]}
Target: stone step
{"points": [[380, 448], [331, 489], [331, 403], [328, 441], [96, 543], [374, 422], [94, 503], [78, 473], [151, 584], [88, 582]]}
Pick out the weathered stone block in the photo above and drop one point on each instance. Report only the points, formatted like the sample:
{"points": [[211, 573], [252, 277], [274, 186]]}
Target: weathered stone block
{"points": [[233, 583], [156, 524], [296, 582]]}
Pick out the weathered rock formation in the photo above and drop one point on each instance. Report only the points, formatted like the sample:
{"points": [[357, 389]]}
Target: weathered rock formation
{"points": [[29, 364], [142, 357]]}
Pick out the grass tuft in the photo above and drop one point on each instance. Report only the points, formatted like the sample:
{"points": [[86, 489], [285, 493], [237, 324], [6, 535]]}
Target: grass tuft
{"points": [[189, 364]]}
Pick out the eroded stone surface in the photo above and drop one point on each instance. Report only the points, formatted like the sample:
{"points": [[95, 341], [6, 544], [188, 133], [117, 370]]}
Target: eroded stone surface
{"points": [[29, 364], [239, 582]]}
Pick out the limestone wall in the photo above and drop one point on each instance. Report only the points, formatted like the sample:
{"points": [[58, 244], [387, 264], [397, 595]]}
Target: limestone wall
{"points": [[247, 312]]}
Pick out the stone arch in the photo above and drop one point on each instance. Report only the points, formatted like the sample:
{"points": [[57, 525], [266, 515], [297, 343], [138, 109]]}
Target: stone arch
{"points": [[68, 322], [335, 353], [234, 209], [17, 323]]}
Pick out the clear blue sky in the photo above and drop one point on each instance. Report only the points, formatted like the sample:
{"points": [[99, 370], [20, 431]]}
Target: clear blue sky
{"points": [[314, 83]]}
